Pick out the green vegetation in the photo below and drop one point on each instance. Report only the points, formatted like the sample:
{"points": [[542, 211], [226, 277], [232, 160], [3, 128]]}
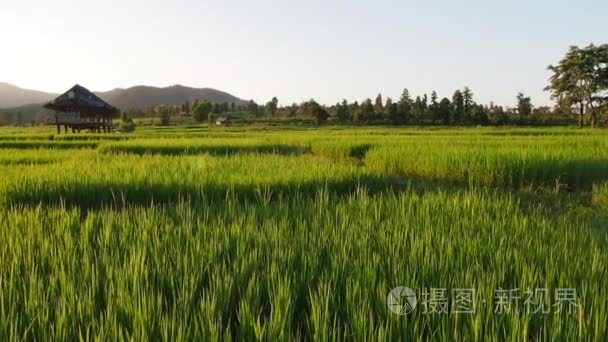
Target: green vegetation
{"points": [[580, 81], [201, 111], [180, 233]]}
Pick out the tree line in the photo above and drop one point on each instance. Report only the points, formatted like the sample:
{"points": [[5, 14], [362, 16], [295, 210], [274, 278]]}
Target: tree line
{"points": [[579, 85], [460, 109]]}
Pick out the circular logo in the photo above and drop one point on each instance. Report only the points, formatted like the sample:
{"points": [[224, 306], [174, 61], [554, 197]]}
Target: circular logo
{"points": [[401, 300]]}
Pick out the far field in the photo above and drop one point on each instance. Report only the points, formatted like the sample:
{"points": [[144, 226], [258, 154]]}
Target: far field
{"points": [[190, 233]]}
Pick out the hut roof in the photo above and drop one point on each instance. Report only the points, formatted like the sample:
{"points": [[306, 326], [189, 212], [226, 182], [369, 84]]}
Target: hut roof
{"points": [[79, 99]]}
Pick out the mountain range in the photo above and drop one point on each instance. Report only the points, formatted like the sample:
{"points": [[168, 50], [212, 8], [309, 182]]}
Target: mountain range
{"points": [[135, 97], [13, 96], [145, 96]]}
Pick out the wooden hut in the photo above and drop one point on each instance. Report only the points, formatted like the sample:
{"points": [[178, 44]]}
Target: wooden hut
{"points": [[79, 109]]}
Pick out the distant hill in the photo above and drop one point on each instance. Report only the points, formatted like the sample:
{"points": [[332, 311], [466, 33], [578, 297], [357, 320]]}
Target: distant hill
{"points": [[145, 96], [26, 104], [13, 96]]}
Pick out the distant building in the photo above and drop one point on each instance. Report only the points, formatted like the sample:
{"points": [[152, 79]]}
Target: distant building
{"points": [[80, 109]]}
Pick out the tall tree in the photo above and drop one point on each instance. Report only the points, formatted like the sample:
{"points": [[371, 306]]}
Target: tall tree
{"points": [[388, 107], [419, 108], [404, 106], [365, 111], [458, 107], [343, 111], [444, 111], [391, 109], [272, 106], [524, 106], [468, 103], [433, 97], [252, 107], [580, 80], [433, 107], [378, 105], [425, 105]]}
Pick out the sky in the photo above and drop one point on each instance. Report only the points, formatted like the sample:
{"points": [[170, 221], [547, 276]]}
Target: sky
{"points": [[297, 50]]}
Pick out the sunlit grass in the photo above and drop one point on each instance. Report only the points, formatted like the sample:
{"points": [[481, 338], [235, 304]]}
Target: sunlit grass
{"points": [[235, 234]]}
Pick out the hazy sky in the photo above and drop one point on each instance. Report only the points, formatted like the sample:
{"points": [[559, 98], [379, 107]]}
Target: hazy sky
{"points": [[296, 50]]}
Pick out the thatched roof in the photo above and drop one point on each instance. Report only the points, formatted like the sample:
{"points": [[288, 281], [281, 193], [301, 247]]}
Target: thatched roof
{"points": [[80, 99]]}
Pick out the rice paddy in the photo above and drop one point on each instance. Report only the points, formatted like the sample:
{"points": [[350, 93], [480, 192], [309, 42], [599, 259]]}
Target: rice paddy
{"points": [[263, 234]]}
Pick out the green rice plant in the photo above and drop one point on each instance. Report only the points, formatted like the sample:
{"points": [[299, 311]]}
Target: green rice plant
{"points": [[198, 146], [38, 156], [600, 196], [340, 148], [191, 233], [302, 268], [45, 144], [573, 162], [118, 179], [94, 137], [21, 137]]}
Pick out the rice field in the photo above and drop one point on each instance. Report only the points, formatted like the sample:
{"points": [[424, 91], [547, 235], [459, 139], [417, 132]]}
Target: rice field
{"points": [[301, 234]]}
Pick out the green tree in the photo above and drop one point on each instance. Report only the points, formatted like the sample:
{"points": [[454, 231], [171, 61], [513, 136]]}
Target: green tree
{"points": [[405, 107], [425, 105], [479, 114], [202, 110], [365, 111], [498, 115], [343, 111], [444, 111], [580, 80], [252, 107], [468, 104], [457, 107], [272, 106], [293, 109], [316, 111], [524, 106], [388, 107], [378, 105], [433, 107], [418, 109]]}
